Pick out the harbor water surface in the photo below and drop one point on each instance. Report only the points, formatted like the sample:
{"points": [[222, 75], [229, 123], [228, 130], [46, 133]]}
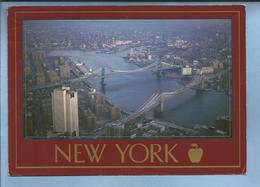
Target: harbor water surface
{"points": [[130, 90]]}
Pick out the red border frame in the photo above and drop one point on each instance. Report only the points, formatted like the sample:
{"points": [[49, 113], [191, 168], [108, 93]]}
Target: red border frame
{"points": [[35, 157]]}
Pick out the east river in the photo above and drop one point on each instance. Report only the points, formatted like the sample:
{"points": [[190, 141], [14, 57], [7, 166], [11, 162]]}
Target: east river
{"points": [[130, 90]]}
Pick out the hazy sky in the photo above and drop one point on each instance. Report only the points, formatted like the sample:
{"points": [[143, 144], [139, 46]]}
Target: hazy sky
{"points": [[153, 24]]}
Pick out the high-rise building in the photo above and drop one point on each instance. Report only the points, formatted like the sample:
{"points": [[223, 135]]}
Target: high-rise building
{"points": [[217, 64], [46, 110], [115, 113], [40, 79], [116, 129], [90, 120], [65, 111], [53, 77], [64, 71], [27, 71], [99, 105]]}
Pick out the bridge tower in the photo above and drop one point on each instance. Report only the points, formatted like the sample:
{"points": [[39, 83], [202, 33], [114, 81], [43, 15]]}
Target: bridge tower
{"points": [[202, 82], [161, 104], [158, 112], [159, 71], [102, 82]]}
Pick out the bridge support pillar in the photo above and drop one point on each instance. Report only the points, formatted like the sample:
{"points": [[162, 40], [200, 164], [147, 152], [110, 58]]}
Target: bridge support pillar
{"points": [[159, 71], [102, 82], [161, 105], [203, 83], [158, 112]]}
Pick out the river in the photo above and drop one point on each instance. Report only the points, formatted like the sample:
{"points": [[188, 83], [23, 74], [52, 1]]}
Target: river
{"points": [[130, 90]]}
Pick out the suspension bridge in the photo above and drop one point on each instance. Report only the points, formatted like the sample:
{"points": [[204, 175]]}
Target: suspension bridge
{"points": [[104, 72], [158, 99]]}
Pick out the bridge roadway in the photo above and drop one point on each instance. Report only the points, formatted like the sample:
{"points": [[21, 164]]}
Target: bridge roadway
{"points": [[156, 98], [97, 73], [159, 98], [172, 125]]}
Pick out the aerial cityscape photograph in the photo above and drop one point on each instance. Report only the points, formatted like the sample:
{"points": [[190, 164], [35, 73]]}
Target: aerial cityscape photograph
{"points": [[127, 79]]}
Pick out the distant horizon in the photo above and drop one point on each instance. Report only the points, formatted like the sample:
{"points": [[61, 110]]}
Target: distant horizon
{"points": [[126, 24]]}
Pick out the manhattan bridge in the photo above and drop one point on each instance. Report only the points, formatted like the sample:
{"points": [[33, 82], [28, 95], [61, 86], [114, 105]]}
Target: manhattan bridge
{"points": [[155, 100]]}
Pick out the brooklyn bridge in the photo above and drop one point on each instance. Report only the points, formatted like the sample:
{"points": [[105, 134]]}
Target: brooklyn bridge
{"points": [[155, 100]]}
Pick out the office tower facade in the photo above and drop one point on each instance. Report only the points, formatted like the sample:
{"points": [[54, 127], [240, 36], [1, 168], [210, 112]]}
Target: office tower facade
{"points": [[90, 120], [116, 129], [40, 79], [99, 105], [115, 113], [65, 111], [53, 77], [64, 71]]}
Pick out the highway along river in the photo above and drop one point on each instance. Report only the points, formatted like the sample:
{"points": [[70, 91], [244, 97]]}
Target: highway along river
{"points": [[130, 90]]}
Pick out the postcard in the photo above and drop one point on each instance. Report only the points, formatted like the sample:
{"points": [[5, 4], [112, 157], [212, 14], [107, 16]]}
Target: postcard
{"points": [[127, 90]]}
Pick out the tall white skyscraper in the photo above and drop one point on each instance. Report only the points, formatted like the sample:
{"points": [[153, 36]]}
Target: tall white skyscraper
{"points": [[65, 111]]}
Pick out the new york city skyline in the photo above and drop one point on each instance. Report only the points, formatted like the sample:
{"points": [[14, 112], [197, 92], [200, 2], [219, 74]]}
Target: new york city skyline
{"points": [[133, 78]]}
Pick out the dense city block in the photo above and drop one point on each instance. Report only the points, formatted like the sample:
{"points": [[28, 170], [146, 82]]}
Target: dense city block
{"points": [[127, 79]]}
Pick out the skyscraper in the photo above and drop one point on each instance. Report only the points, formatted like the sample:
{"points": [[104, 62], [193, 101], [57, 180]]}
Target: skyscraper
{"points": [[40, 79], [115, 113], [64, 71], [65, 111]]}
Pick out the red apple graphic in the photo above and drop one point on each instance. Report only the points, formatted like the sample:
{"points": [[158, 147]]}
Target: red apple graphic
{"points": [[195, 153]]}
